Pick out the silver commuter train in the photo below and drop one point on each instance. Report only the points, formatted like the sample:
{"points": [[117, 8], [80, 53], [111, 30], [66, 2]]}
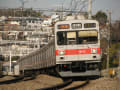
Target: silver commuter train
{"points": [[75, 51], [78, 50], [41, 59]]}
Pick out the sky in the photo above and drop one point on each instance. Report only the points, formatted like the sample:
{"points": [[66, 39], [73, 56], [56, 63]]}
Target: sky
{"points": [[104, 5]]}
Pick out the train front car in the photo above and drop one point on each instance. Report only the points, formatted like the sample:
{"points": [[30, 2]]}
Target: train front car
{"points": [[77, 45]]}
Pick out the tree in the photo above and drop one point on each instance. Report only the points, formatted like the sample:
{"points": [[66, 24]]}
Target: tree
{"points": [[115, 31], [101, 17], [114, 58], [103, 46], [39, 14], [20, 13]]}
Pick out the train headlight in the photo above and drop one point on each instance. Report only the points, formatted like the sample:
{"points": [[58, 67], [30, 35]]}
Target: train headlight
{"points": [[61, 52], [94, 51]]}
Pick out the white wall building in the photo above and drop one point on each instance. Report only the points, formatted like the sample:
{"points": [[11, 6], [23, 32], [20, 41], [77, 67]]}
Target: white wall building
{"points": [[48, 21], [33, 23]]}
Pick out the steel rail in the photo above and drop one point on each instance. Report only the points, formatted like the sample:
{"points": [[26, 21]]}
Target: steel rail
{"points": [[29, 78], [17, 79], [58, 86], [78, 86]]}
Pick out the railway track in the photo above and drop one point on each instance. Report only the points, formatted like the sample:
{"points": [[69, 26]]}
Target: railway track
{"points": [[64, 85], [29, 78], [58, 86], [18, 79], [78, 86]]}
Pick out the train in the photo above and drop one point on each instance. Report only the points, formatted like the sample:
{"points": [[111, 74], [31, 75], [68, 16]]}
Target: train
{"points": [[73, 51], [42, 59]]}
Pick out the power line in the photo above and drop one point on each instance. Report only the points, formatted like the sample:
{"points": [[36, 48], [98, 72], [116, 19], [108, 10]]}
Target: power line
{"points": [[23, 3]]}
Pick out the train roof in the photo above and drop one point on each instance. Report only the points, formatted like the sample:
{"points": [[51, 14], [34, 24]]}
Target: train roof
{"points": [[77, 21]]}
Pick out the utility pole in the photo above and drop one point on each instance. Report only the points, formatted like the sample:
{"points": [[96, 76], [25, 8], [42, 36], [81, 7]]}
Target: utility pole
{"points": [[109, 30], [22, 5], [61, 13], [89, 9], [10, 67]]}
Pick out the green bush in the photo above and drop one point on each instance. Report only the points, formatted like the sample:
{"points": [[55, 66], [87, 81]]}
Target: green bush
{"points": [[114, 58]]}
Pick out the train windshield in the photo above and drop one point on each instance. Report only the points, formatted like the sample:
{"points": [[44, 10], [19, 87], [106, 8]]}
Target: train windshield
{"points": [[77, 37]]}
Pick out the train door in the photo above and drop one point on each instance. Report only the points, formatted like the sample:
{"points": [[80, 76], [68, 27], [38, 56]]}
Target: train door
{"points": [[71, 47]]}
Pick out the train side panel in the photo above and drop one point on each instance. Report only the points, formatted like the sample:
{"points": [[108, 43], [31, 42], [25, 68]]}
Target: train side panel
{"points": [[43, 58]]}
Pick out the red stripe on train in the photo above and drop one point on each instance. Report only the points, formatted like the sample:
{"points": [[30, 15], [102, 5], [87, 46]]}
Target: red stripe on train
{"points": [[77, 51]]}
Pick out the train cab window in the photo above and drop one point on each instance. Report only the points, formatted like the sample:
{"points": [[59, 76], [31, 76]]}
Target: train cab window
{"points": [[87, 37], [77, 37], [61, 38], [66, 38], [71, 38]]}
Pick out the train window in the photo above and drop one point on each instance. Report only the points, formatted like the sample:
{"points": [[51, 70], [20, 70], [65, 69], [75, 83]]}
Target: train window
{"points": [[71, 38], [89, 25], [71, 34], [66, 38], [40, 56], [37, 58], [87, 37], [61, 38], [77, 37], [76, 25]]}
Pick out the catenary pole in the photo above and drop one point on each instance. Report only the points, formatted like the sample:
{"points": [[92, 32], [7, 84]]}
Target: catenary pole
{"points": [[89, 9], [109, 34]]}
